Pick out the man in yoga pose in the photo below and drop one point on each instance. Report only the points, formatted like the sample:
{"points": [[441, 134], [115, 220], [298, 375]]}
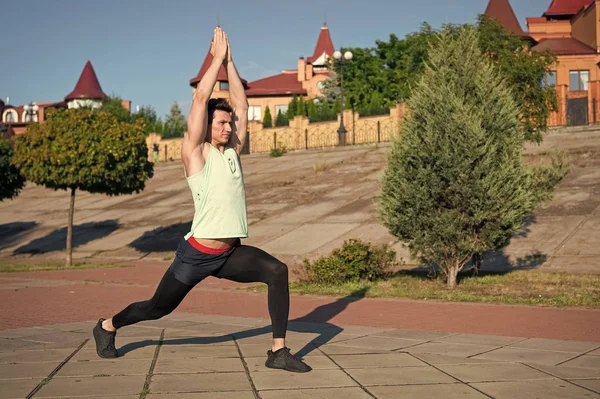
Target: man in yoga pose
{"points": [[210, 153]]}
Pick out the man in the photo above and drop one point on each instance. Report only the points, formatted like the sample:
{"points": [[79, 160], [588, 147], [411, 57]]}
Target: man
{"points": [[210, 153]]}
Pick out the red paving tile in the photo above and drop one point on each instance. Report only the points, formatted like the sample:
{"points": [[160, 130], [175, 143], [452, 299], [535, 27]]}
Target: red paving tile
{"points": [[101, 297]]}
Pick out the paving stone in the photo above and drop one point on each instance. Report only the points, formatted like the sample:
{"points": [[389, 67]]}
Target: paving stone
{"points": [[312, 236], [450, 349], [378, 360], [526, 356], [185, 337], [595, 352], [415, 334], [584, 361], [281, 380], [437, 391], [347, 350], [379, 343], [205, 395], [25, 332], [168, 323], [202, 329], [593, 384], [400, 375], [569, 372], [197, 351], [27, 370], [82, 386], [105, 367], [254, 350], [437, 360], [20, 388], [474, 339], [329, 393], [197, 365], [35, 356], [68, 338], [493, 372], [125, 352], [556, 345], [12, 344], [199, 382], [546, 389]]}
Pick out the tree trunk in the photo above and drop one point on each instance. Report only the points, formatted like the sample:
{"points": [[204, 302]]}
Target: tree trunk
{"points": [[70, 229], [452, 275], [476, 263]]}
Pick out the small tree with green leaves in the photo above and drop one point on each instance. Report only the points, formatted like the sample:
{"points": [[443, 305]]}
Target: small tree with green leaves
{"points": [[87, 150], [281, 119], [11, 179], [267, 120], [455, 184], [113, 104], [147, 115]]}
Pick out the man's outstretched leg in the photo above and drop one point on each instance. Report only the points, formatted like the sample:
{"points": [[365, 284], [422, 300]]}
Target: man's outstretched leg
{"points": [[248, 264], [168, 296]]}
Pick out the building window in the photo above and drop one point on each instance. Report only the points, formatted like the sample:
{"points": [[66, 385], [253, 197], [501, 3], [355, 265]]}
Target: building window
{"points": [[254, 113], [281, 108], [550, 79], [578, 80], [10, 116], [224, 85]]}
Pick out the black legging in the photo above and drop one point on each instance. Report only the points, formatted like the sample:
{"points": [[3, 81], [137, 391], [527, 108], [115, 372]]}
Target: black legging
{"points": [[246, 264]]}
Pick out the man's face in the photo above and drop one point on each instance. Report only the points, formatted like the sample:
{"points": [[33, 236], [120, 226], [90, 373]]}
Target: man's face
{"points": [[221, 127]]}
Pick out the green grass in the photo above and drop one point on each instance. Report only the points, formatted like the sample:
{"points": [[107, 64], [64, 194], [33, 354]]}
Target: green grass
{"points": [[45, 266], [559, 289]]}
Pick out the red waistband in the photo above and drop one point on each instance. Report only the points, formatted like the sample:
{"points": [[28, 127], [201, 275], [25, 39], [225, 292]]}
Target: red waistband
{"points": [[207, 250]]}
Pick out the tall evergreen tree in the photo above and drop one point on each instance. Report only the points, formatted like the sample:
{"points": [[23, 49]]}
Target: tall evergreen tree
{"points": [[455, 184], [175, 123], [267, 120], [281, 119], [301, 107], [292, 110]]}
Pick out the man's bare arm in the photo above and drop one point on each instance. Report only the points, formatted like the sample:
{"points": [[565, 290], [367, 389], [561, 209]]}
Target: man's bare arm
{"points": [[239, 102], [198, 116]]}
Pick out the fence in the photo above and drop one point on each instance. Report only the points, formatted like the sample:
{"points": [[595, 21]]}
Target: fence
{"points": [[302, 135]]}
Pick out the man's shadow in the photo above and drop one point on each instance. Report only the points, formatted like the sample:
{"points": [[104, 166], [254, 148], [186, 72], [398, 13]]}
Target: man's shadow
{"points": [[317, 321]]}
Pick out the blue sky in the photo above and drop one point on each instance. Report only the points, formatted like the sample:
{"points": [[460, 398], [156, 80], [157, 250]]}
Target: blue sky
{"points": [[147, 50]]}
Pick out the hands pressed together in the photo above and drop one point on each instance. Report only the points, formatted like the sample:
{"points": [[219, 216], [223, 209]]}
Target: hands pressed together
{"points": [[220, 49]]}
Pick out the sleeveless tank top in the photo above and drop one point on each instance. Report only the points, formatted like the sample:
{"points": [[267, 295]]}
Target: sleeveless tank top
{"points": [[219, 197]]}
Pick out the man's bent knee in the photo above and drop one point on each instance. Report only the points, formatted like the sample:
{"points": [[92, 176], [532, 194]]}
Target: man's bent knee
{"points": [[279, 273]]}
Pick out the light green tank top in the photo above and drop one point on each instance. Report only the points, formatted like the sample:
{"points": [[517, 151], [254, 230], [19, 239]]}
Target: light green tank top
{"points": [[219, 197]]}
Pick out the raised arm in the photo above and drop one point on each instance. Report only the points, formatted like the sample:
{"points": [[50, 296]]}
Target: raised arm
{"points": [[239, 102], [191, 150]]}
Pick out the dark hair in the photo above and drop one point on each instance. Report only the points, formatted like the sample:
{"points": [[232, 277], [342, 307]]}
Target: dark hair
{"points": [[217, 104]]}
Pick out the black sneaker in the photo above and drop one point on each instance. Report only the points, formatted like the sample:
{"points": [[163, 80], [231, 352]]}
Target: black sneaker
{"points": [[283, 359], [105, 341]]}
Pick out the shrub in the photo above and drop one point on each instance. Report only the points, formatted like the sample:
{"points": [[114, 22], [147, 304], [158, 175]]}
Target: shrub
{"points": [[354, 261]]}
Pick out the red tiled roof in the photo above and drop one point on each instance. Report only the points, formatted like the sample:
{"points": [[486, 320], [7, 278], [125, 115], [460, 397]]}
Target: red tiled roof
{"points": [[221, 77], [566, 7], [324, 45], [564, 46], [87, 86], [282, 84], [502, 10]]}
